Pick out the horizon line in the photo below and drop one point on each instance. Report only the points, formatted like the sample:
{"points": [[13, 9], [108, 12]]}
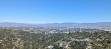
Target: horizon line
{"points": [[52, 23]]}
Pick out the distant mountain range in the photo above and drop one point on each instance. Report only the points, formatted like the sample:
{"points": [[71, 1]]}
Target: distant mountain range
{"points": [[82, 25]]}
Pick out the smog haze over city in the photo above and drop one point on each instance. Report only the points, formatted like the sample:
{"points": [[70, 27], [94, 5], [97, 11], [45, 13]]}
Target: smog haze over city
{"points": [[55, 24]]}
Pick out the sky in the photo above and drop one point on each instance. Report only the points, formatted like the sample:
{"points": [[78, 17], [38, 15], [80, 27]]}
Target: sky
{"points": [[55, 11]]}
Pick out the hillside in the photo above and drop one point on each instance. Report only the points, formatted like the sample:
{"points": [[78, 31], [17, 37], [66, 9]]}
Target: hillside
{"points": [[16, 39]]}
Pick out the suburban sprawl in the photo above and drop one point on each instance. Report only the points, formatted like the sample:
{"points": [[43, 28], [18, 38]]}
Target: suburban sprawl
{"points": [[54, 36]]}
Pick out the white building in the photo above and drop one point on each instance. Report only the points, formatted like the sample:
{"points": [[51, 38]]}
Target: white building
{"points": [[50, 47]]}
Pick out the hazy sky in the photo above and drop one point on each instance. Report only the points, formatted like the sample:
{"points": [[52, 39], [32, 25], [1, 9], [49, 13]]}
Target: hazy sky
{"points": [[55, 11]]}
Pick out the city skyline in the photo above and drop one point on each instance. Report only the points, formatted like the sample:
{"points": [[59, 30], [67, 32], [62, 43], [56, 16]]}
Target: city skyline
{"points": [[55, 11]]}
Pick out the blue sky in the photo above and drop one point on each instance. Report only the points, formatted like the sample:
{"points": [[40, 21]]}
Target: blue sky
{"points": [[55, 11]]}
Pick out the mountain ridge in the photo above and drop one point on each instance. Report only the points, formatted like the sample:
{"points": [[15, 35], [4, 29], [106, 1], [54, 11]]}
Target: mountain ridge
{"points": [[98, 24]]}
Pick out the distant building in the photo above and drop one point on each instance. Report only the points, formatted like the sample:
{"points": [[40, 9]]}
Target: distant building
{"points": [[61, 44], [50, 47], [89, 46]]}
